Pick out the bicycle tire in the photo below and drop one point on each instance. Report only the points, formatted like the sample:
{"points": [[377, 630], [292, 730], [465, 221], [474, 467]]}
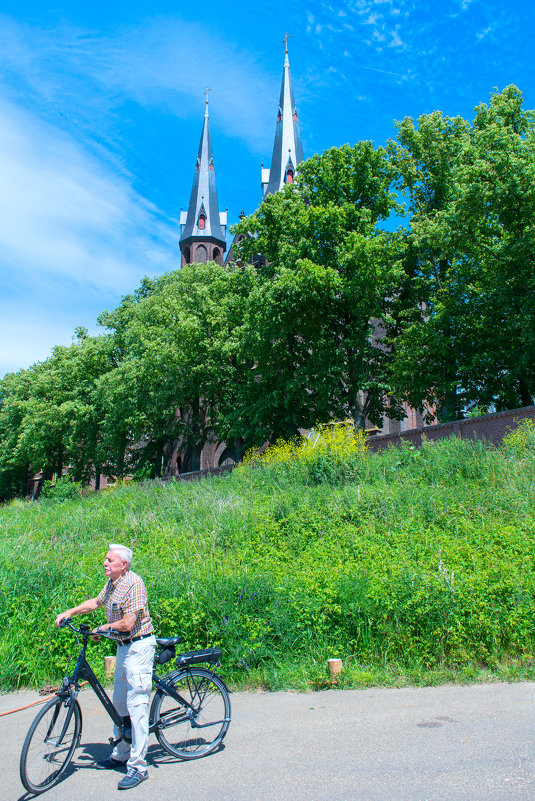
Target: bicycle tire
{"points": [[42, 761], [198, 733]]}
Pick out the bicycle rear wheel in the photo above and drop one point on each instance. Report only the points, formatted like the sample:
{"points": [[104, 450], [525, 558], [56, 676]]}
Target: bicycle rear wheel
{"points": [[50, 744], [192, 733]]}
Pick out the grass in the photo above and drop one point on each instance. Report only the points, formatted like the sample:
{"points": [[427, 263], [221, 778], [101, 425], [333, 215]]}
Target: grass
{"points": [[412, 566]]}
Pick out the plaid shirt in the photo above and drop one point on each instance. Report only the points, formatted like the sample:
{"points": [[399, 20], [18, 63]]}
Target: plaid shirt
{"points": [[126, 595]]}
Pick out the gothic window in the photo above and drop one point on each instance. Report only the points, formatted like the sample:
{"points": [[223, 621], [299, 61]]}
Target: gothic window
{"points": [[217, 256], [187, 256], [289, 173], [201, 255], [202, 219]]}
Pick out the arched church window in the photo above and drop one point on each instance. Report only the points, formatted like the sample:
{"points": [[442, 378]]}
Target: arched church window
{"points": [[187, 256], [202, 220], [289, 176], [201, 254], [217, 256]]}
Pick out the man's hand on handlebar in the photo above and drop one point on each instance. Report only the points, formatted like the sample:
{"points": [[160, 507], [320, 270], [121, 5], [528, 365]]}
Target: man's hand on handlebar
{"points": [[96, 634], [100, 631]]}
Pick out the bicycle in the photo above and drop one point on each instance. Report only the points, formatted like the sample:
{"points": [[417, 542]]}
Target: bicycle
{"points": [[189, 713]]}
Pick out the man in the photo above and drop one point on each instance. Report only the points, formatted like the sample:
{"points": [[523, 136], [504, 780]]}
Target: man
{"points": [[125, 601]]}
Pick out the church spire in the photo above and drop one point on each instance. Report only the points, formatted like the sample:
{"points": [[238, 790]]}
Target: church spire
{"points": [[287, 148], [203, 226]]}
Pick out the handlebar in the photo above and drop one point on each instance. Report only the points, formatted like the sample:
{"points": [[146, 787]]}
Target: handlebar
{"points": [[85, 631]]}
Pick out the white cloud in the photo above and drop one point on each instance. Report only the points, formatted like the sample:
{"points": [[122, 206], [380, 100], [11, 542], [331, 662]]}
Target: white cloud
{"points": [[482, 34], [373, 19], [63, 214], [146, 65], [396, 40], [28, 334], [74, 237]]}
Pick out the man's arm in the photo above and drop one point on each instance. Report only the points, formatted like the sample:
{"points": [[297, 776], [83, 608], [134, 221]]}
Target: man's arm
{"points": [[82, 609], [126, 623]]}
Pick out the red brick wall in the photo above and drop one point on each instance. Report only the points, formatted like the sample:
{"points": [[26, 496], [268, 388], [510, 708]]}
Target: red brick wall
{"points": [[491, 427]]}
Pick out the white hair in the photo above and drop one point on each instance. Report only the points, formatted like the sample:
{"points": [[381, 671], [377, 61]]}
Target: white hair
{"points": [[125, 553]]}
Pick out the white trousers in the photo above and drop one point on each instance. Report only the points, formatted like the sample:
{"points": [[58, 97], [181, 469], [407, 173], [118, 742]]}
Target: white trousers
{"points": [[131, 694]]}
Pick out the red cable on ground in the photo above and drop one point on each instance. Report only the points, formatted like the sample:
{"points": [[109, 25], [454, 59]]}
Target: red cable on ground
{"points": [[34, 703]]}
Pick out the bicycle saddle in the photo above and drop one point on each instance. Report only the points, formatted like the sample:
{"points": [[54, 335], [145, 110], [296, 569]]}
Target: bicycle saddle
{"points": [[166, 642]]}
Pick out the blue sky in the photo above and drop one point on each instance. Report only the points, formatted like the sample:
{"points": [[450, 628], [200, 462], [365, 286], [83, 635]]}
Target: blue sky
{"points": [[101, 108]]}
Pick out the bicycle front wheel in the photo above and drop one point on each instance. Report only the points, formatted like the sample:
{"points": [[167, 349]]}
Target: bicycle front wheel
{"points": [[190, 732], [50, 744]]}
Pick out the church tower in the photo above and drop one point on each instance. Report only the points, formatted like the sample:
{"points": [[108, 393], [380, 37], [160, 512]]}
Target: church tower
{"points": [[287, 148], [203, 226]]}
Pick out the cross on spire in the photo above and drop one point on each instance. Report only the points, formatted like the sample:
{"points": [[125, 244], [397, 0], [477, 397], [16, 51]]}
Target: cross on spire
{"points": [[205, 93], [285, 41]]}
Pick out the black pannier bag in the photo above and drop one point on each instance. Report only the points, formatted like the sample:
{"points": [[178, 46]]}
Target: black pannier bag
{"points": [[167, 653]]}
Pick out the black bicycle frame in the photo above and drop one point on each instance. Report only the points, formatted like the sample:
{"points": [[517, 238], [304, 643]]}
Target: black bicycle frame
{"points": [[84, 671]]}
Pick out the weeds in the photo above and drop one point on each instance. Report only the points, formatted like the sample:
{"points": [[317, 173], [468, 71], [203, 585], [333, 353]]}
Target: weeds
{"points": [[413, 566]]}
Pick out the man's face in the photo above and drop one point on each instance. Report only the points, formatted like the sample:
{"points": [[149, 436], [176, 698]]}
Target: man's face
{"points": [[114, 566]]}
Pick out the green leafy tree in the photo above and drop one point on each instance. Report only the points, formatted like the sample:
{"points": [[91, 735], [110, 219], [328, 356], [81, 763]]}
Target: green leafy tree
{"points": [[175, 380], [461, 324], [50, 418], [310, 340]]}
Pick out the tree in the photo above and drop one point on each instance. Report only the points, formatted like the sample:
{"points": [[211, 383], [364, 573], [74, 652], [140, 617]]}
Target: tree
{"points": [[176, 377], [309, 337], [49, 415], [461, 325]]}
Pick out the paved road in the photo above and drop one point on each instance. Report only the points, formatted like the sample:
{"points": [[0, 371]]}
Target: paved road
{"points": [[432, 744]]}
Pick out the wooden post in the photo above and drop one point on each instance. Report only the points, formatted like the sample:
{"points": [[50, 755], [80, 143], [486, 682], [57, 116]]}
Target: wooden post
{"points": [[335, 668], [109, 665]]}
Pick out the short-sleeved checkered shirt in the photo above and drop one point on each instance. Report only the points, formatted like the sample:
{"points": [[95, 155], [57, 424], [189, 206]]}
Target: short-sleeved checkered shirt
{"points": [[125, 595]]}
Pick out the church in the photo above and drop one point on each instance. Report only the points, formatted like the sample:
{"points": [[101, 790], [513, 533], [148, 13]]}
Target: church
{"points": [[203, 230], [203, 226]]}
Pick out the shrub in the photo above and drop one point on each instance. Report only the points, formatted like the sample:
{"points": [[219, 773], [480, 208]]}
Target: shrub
{"points": [[521, 440], [63, 489], [328, 454]]}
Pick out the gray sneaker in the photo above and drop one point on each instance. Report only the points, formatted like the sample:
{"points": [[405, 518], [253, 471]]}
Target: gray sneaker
{"points": [[132, 779]]}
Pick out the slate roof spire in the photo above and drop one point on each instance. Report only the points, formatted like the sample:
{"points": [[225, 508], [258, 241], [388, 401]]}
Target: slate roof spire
{"points": [[203, 226], [287, 148]]}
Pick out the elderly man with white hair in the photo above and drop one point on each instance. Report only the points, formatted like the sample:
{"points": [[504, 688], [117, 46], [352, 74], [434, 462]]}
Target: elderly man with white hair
{"points": [[124, 598]]}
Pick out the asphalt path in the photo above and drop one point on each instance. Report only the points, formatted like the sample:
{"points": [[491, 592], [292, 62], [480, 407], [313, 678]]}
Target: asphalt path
{"points": [[412, 744]]}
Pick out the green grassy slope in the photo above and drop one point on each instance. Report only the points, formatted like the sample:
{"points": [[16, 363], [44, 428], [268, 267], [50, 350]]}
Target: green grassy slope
{"points": [[410, 565]]}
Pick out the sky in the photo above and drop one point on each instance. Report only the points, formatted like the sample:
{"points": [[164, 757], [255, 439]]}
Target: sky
{"points": [[101, 109]]}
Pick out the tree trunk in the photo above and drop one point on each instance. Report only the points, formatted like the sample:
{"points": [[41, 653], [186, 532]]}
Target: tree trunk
{"points": [[196, 457]]}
